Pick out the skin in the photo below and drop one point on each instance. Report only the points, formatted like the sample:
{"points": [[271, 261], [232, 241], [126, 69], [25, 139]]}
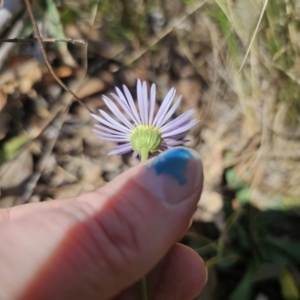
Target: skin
{"points": [[98, 245]]}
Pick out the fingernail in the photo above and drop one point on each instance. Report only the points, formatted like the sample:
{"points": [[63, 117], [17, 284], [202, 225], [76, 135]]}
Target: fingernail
{"points": [[174, 175]]}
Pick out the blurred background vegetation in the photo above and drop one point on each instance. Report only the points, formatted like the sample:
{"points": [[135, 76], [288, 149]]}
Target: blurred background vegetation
{"points": [[236, 62]]}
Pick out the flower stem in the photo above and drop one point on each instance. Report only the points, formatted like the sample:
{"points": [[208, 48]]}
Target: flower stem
{"points": [[144, 155], [143, 288], [143, 284]]}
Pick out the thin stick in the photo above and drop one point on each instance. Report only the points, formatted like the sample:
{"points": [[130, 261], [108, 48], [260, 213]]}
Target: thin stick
{"points": [[40, 41], [143, 282], [143, 288], [33, 40], [253, 36]]}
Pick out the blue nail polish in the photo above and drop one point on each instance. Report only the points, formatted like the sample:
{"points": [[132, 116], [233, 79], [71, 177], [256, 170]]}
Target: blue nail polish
{"points": [[172, 163]]}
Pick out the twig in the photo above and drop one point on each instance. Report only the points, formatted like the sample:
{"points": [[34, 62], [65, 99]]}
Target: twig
{"points": [[40, 41], [33, 40], [14, 30], [253, 36], [59, 114]]}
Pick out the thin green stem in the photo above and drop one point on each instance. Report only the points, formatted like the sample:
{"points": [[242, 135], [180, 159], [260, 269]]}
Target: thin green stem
{"points": [[143, 284], [143, 288], [144, 155]]}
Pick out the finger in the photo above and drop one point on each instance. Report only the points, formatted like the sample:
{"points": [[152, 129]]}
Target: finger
{"points": [[181, 275], [13, 213], [105, 240]]}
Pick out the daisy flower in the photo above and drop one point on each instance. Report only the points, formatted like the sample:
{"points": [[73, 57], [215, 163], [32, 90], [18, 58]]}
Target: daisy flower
{"points": [[138, 128]]}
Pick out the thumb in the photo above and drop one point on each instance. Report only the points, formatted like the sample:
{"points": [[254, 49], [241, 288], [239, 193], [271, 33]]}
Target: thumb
{"points": [[104, 241]]}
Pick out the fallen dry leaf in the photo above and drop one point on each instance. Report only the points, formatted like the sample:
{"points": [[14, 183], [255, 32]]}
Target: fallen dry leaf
{"points": [[90, 87], [3, 99], [13, 181]]}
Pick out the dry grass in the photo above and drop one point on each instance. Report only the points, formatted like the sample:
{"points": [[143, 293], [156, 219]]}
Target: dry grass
{"points": [[262, 57]]}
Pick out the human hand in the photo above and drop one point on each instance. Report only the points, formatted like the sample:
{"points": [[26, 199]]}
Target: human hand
{"points": [[98, 245]]}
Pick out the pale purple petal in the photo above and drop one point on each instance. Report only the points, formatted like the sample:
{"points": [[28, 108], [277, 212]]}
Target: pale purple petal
{"points": [[139, 91], [113, 121], [173, 143], [164, 107], [125, 106], [145, 102], [135, 154], [178, 121], [181, 129], [103, 128], [131, 104], [110, 135], [121, 96], [110, 139], [115, 110], [152, 103], [171, 111], [180, 135], [121, 149], [115, 140], [163, 147], [167, 144], [108, 124]]}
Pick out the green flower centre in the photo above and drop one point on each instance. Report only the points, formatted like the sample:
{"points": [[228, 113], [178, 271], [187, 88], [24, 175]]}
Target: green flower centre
{"points": [[145, 140]]}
